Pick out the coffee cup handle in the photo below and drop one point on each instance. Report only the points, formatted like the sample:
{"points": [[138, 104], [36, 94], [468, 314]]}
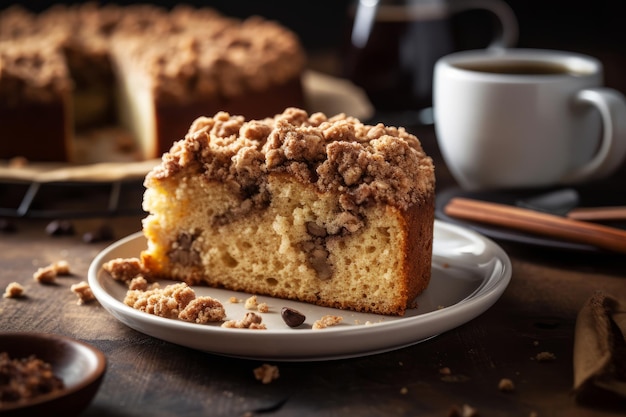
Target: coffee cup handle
{"points": [[611, 105], [508, 30]]}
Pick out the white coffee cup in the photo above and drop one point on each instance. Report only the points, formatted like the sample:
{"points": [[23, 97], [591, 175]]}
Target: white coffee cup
{"points": [[526, 118]]}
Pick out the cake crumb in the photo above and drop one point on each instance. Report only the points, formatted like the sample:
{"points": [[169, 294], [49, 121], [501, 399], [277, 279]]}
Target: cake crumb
{"points": [[165, 302], [45, 275], [61, 267], [125, 269], [545, 356], [445, 371], [233, 300], [465, 411], [140, 283], [250, 321], [506, 385], [49, 273], [251, 303], [266, 373], [327, 321], [203, 310], [14, 290], [536, 343], [83, 291], [404, 390]]}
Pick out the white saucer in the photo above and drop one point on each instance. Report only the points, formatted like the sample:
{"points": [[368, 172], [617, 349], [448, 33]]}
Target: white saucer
{"points": [[469, 274]]}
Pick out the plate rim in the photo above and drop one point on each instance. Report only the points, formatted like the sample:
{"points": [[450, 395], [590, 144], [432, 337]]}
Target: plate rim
{"points": [[478, 301]]}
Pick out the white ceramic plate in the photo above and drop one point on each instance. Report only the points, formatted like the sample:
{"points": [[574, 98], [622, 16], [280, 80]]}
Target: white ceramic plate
{"points": [[469, 273]]}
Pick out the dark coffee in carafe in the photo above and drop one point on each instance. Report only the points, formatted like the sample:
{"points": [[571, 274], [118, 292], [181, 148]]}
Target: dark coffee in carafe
{"points": [[393, 47]]}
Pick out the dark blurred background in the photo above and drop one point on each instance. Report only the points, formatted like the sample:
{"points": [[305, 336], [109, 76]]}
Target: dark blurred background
{"points": [[593, 27]]}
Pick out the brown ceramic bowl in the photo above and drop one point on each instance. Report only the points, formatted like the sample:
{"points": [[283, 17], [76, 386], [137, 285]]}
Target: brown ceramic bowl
{"points": [[79, 365]]}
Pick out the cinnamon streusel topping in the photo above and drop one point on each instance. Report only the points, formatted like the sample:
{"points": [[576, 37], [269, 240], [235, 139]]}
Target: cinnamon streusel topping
{"points": [[365, 163], [33, 69]]}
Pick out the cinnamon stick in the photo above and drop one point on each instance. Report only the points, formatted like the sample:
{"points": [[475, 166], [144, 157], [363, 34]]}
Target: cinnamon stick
{"points": [[598, 213], [605, 237]]}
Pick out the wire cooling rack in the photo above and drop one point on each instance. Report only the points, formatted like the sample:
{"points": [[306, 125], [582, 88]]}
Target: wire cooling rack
{"points": [[70, 199]]}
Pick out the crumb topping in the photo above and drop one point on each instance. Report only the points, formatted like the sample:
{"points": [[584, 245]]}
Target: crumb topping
{"points": [[221, 57], [199, 51], [32, 69], [367, 164]]}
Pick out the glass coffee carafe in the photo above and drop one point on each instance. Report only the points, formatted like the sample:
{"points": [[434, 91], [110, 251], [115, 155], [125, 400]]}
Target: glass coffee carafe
{"points": [[393, 46]]}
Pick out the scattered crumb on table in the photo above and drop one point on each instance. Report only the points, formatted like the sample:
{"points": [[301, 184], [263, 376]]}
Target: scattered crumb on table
{"points": [[545, 356], [506, 385], [266, 373], [83, 292], [14, 290]]}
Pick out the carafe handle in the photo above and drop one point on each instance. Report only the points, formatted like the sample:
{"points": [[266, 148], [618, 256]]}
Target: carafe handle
{"points": [[507, 31]]}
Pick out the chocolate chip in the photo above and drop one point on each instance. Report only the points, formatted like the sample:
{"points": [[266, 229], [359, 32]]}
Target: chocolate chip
{"points": [[102, 234], [292, 317], [7, 226]]}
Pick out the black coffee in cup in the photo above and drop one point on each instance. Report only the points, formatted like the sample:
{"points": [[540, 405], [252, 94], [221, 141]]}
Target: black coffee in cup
{"points": [[521, 68]]}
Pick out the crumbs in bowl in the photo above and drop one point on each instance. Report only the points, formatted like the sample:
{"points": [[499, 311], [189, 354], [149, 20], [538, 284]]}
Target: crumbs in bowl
{"points": [[25, 378]]}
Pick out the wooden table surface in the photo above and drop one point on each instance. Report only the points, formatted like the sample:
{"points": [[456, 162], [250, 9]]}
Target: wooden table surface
{"points": [[150, 377]]}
